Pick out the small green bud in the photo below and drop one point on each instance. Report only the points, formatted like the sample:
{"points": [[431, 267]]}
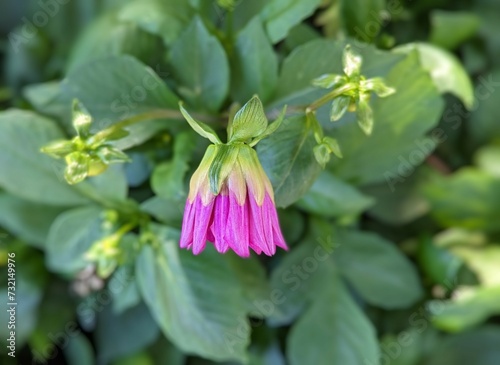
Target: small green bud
{"points": [[249, 122], [226, 4], [351, 62], [81, 119], [339, 107], [322, 154], [77, 167], [58, 149], [109, 155], [96, 166]]}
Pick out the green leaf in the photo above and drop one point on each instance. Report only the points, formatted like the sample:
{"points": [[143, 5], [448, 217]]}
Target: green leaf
{"points": [[70, 236], [451, 28], [249, 122], [364, 115], [27, 220], [478, 347], [483, 260], [467, 311], [124, 289], [199, 64], [187, 306], [166, 18], [335, 324], [167, 179], [331, 197], [288, 159], [282, 15], [479, 203], [445, 69], [109, 36], [110, 97], [28, 173], [254, 64], [361, 19], [121, 335], [79, 351], [165, 210], [370, 262]]}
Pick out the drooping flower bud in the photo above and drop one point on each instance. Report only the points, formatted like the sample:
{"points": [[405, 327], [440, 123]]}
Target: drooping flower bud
{"points": [[231, 200]]}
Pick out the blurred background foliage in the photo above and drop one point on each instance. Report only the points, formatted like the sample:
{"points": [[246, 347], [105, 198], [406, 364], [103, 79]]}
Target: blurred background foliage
{"points": [[395, 255]]}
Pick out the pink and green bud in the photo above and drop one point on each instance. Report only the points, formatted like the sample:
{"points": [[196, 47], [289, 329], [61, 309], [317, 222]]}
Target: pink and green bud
{"points": [[231, 200]]}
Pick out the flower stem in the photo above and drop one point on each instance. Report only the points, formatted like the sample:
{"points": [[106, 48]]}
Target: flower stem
{"points": [[329, 97]]}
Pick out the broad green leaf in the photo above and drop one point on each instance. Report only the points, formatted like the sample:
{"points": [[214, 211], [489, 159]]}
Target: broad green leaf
{"points": [[479, 203], [199, 65], [483, 123], [121, 335], [288, 159], [110, 97], [441, 265], [360, 18], [167, 211], [79, 351], [47, 99], [27, 220], [167, 180], [124, 289], [331, 197], [70, 236], [254, 64], [282, 15], [107, 35], [445, 69], [166, 18], [399, 202], [452, 28], [336, 325], [468, 310], [188, 306], [478, 347], [26, 172], [377, 269]]}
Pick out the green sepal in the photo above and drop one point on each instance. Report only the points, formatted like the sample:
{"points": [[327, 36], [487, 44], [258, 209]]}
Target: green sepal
{"points": [[378, 86], [364, 114], [330, 81], [58, 149], [77, 167], [271, 128], [81, 119], [222, 165], [322, 154], [351, 62], [339, 107], [333, 146], [249, 122], [201, 128], [109, 155]]}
